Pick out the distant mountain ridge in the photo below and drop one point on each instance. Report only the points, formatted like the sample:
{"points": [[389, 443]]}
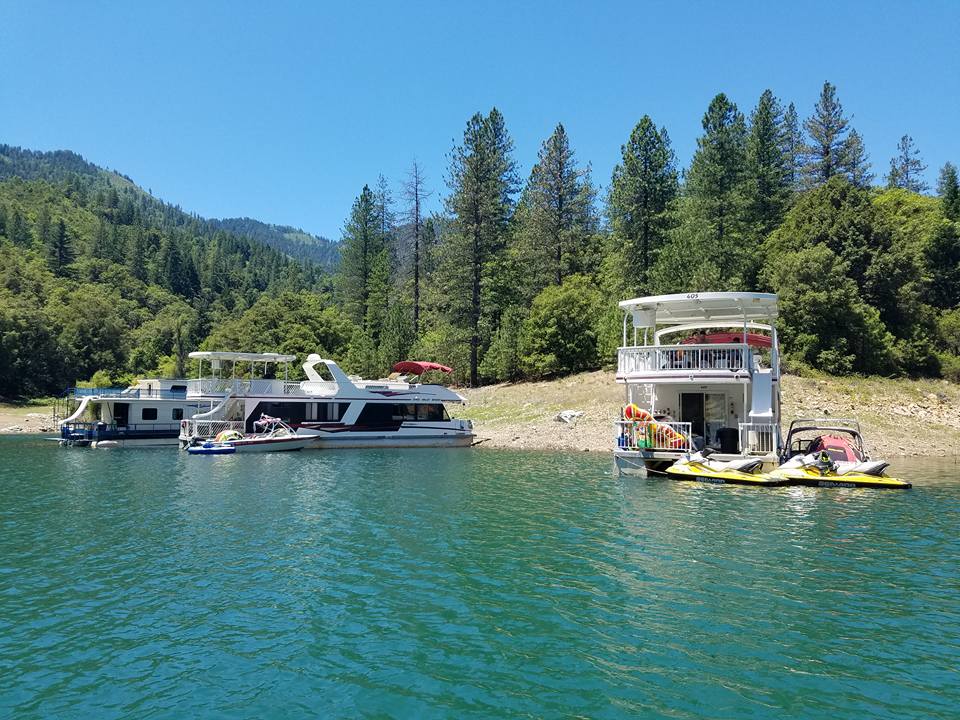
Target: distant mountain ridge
{"points": [[291, 241], [60, 165]]}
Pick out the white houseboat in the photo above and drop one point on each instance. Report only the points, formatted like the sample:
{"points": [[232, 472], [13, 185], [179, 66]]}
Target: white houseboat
{"points": [[699, 370], [345, 412], [146, 414]]}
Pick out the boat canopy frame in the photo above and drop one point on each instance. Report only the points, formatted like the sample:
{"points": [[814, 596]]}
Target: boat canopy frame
{"points": [[695, 311], [215, 357]]}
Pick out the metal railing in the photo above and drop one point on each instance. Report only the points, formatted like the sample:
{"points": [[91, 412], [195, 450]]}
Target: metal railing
{"points": [[106, 431], [203, 429], [653, 359], [239, 386], [759, 438], [129, 393], [653, 435]]}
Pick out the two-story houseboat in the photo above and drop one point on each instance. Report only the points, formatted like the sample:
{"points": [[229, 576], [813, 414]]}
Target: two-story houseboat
{"points": [[343, 411], [699, 370]]}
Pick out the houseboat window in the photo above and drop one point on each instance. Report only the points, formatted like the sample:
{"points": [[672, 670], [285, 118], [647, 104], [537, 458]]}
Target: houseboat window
{"points": [[148, 414], [298, 412], [182, 389], [177, 414], [432, 413], [377, 414]]}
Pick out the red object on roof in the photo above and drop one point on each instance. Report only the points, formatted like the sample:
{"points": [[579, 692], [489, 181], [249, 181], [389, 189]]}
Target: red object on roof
{"points": [[753, 339], [417, 367]]}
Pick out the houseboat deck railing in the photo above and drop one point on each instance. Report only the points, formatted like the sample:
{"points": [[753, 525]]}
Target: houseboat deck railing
{"points": [[671, 359], [759, 438], [204, 429], [211, 387], [657, 435], [128, 393], [107, 431]]}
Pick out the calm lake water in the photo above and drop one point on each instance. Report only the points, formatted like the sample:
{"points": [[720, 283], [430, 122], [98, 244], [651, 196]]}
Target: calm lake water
{"points": [[459, 583]]}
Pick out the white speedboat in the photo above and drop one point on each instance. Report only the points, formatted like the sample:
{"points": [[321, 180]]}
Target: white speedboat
{"points": [[271, 435], [336, 410]]}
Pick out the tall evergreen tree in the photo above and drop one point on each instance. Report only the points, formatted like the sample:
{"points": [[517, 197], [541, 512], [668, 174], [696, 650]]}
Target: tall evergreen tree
{"points": [[362, 259], [415, 193], [767, 169], [827, 129], [793, 147], [557, 220], [906, 167], [642, 189], [136, 256], [18, 232], [715, 183], [856, 163], [43, 229], [949, 191], [482, 181], [60, 252]]}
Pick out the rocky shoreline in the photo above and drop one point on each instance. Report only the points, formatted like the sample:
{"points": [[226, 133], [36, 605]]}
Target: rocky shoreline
{"points": [[898, 417]]}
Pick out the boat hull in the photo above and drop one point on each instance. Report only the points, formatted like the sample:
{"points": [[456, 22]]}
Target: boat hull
{"points": [[848, 480], [287, 444]]}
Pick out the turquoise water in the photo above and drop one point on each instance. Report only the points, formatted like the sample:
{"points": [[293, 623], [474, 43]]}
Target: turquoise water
{"points": [[459, 583]]}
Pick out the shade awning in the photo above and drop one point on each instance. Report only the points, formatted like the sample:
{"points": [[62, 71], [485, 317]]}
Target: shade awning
{"points": [[733, 307], [242, 356], [419, 367]]}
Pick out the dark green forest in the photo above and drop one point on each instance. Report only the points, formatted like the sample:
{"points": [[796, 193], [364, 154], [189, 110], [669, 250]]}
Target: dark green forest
{"points": [[515, 277]]}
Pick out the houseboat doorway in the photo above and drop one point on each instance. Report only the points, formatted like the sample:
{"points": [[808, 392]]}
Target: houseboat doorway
{"points": [[121, 414]]}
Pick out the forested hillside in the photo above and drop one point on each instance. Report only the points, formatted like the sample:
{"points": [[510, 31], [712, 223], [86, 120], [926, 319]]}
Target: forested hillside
{"points": [[291, 241], [515, 278], [97, 276]]}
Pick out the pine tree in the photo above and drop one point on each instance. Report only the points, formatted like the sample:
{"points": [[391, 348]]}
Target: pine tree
{"points": [[18, 232], [136, 258], [767, 170], [906, 168], [362, 256], [792, 137], [101, 241], [642, 189], [415, 194], [558, 219], [856, 162], [482, 182], [826, 153], [716, 182], [59, 248], [949, 191], [43, 229], [386, 219], [3, 220]]}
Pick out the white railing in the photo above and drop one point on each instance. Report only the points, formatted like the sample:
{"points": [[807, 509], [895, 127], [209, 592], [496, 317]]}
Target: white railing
{"points": [[759, 438], [682, 359], [208, 387], [653, 435], [320, 387], [204, 429]]}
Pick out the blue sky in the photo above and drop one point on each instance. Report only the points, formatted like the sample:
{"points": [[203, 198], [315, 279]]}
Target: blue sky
{"points": [[283, 114]]}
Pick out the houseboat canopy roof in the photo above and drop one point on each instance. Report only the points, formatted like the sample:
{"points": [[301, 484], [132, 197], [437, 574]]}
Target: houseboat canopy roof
{"points": [[713, 307], [242, 356]]}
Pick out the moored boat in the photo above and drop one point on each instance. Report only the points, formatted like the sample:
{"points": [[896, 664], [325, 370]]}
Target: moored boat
{"points": [[829, 452], [334, 409], [271, 435]]}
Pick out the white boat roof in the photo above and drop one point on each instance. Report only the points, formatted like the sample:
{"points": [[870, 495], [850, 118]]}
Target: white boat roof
{"points": [[242, 356], [684, 308]]}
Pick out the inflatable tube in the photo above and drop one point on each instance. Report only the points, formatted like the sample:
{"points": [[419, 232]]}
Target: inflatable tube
{"points": [[635, 412]]}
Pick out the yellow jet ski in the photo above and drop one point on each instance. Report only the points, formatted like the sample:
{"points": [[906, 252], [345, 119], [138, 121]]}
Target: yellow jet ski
{"points": [[699, 467], [820, 470]]}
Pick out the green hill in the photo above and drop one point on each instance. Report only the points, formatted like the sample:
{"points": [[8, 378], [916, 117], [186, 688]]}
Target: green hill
{"points": [[98, 275]]}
